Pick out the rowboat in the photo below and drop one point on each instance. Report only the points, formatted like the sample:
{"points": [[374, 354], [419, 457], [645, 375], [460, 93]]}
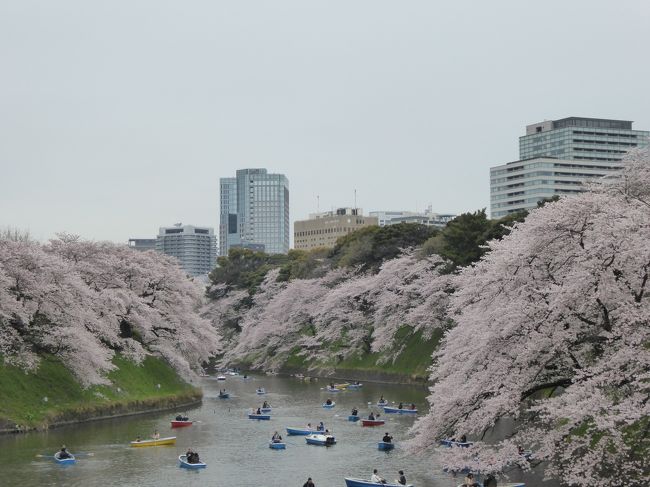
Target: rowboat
{"points": [[64, 461], [341, 386], [182, 462], [266, 410], [260, 391], [171, 440], [329, 406], [353, 417], [355, 387], [224, 395], [367, 483], [332, 389], [462, 444], [277, 446], [320, 439], [221, 377], [259, 416], [391, 410], [181, 424], [372, 422], [381, 404], [300, 431], [382, 445]]}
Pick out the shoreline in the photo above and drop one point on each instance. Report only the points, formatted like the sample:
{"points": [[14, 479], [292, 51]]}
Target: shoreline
{"points": [[110, 411]]}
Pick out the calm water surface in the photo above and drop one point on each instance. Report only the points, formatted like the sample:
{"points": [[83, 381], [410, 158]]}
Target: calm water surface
{"points": [[234, 447]]}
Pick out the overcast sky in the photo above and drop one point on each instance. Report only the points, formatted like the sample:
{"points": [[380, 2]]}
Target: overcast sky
{"points": [[118, 117]]}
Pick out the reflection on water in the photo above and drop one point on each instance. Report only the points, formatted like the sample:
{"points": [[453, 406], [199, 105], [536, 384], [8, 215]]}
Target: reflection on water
{"points": [[234, 447]]}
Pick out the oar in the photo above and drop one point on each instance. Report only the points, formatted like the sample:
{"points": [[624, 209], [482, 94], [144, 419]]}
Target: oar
{"points": [[83, 454], [44, 456]]}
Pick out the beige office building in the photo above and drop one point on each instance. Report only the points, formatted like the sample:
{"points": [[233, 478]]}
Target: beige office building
{"points": [[323, 229]]}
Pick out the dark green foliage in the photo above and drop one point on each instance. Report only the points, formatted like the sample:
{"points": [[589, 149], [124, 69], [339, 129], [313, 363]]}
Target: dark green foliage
{"points": [[303, 264], [245, 268], [462, 241], [370, 246]]}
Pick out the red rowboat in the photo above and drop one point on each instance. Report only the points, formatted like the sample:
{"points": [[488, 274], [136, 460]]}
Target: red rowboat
{"points": [[372, 422], [181, 424]]}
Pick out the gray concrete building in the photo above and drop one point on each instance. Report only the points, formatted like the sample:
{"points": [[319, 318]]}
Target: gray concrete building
{"points": [[254, 212], [427, 217], [324, 229], [557, 157], [142, 244], [194, 247]]}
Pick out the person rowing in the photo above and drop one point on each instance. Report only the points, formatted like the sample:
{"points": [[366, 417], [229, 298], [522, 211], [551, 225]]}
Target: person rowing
{"points": [[265, 405], [376, 478], [355, 412], [401, 406], [387, 438], [328, 402], [276, 438], [320, 427], [371, 416], [401, 480], [63, 453]]}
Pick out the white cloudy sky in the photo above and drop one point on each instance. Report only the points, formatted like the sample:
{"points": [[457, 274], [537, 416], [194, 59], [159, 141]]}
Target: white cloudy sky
{"points": [[117, 117]]}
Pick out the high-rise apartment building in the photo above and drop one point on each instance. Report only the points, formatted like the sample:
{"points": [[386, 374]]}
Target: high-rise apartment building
{"points": [[254, 212], [194, 247], [557, 157], [323, 229]]}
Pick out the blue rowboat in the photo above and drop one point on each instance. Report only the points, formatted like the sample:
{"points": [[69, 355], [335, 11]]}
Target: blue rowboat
{"points": [[450, 443], [382, 445], [300, 431], [391, 410], [224, 395], [277, 446], [329, 406], [332, 389], [265, 410], [349, 482], [64, 461], [260, 391], [353, 417], [355, 387], [320, 440], [182, 462], [381, 404], [259, 416]]}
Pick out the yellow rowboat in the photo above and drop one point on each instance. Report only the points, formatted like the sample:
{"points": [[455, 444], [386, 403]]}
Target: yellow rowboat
{"points": [[159, 442], [342, 386]]}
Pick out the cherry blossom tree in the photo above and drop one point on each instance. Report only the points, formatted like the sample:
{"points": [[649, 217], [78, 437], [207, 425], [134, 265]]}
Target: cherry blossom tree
{"points": [[85, 301], [553, 333]]}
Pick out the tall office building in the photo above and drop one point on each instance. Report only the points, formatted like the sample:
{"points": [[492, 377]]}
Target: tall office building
{"points": [[557, 157], [194, 247], [254, 212], [324, 229]]}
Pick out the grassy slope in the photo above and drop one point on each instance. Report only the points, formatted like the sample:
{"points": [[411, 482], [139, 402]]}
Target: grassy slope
{"points": [[22, 395], [412, 362]]}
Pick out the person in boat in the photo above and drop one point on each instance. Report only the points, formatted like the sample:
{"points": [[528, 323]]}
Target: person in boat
{"points": [[463, 439], [469, 481], [265, 405], [401, 406], [156, 435], [412, 406], [320, 427], [259, 411], [332, 385], [387, 438], [371, 416], [63, 453], [138, 439], [276, 438], [193, 457], [328, 402], [381, 399], [401, 480], [376, 478], [355, 412], [309, 483], [309, 426]]}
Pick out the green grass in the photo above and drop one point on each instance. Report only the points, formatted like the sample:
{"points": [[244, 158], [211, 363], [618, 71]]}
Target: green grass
{"points": [[22, 395], [414, 360]]}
